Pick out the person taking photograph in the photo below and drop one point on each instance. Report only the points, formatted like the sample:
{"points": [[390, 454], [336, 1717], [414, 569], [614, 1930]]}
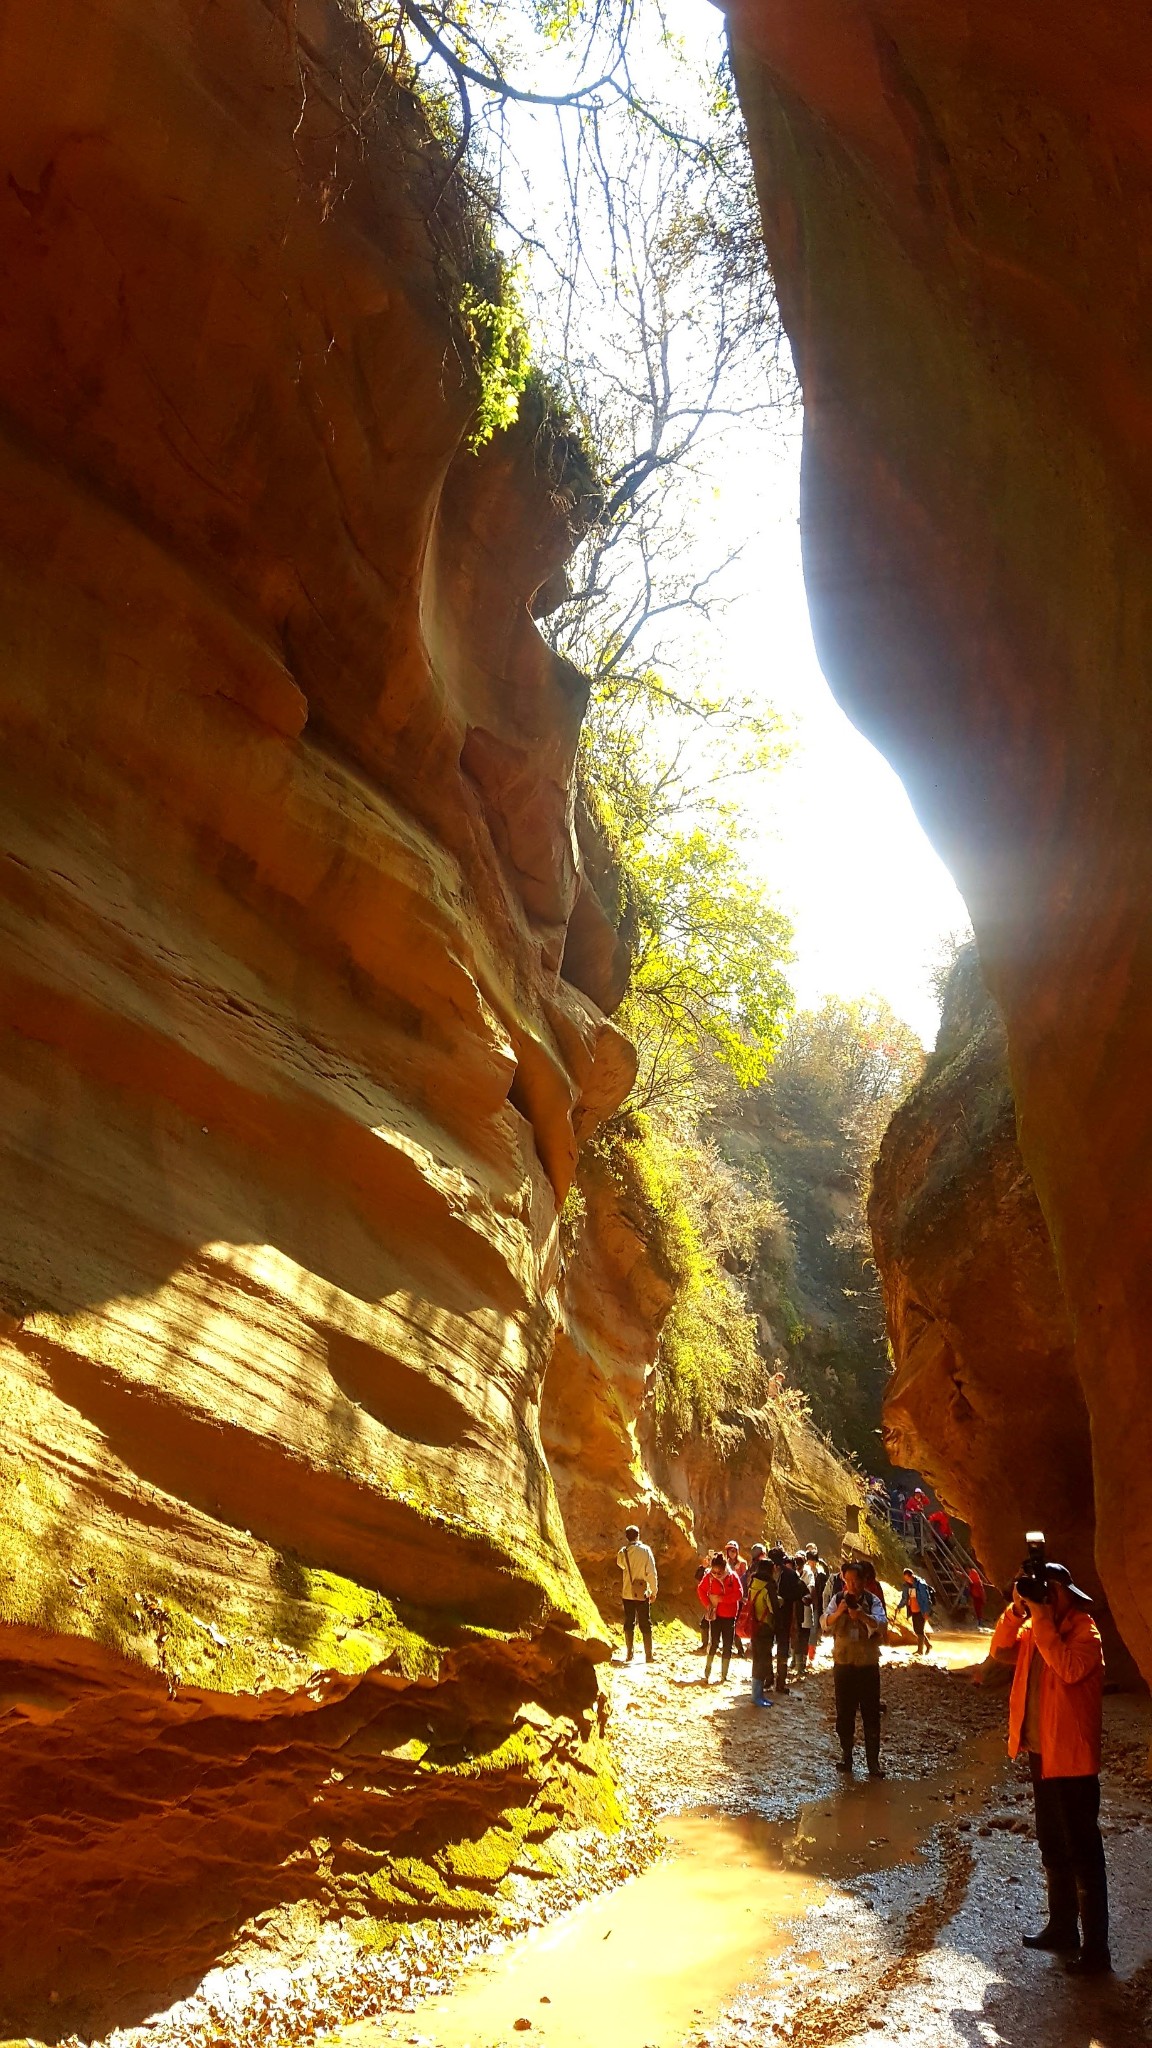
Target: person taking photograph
{"points": [[1054, 1719], [857, 1624]]}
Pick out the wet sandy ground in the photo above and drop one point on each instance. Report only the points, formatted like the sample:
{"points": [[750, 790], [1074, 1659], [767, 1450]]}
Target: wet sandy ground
{"points": [[788, 1906], [794, 1907]]}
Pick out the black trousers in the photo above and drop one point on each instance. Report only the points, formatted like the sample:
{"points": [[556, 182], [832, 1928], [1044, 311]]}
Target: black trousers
{"points": [[721, 1628], [788, 1621], [858, 1691], [638, 1615], [763, 1647], [918, 1624], [1072, 1852]]}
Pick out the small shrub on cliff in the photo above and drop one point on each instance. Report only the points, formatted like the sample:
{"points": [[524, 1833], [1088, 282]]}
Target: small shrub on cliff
{"points": [[503, 352], [707, 1360]]}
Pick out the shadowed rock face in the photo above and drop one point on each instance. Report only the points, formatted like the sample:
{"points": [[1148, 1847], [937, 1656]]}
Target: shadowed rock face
{"points": [[984, 1398], [957, 201], [290, 1080]]}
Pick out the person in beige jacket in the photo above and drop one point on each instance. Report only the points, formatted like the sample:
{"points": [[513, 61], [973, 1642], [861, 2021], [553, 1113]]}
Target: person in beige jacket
{"points": [[857, 1623], [640, 1587]]}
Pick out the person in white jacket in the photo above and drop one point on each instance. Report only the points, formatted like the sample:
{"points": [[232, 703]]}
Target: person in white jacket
{"points": [[638, 1570]]}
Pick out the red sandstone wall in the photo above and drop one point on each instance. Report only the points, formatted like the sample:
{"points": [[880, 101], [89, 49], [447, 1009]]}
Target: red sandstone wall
{"points": [[957, 203], [290, 1080]]}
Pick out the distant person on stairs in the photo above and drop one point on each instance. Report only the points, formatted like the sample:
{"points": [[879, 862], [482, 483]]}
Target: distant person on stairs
{"points": [[915, 1511], [1054, 1716], [856, 1623], [638, 1569], [720, 1593]]}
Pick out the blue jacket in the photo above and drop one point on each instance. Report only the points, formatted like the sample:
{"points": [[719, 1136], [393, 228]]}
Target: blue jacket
{"points": [[923, 1592]]}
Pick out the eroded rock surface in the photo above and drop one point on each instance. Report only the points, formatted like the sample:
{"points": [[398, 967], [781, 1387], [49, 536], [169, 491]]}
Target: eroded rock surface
{"points": [[755, 1471], [956, 202], [291, 1081], [984, 1397]]}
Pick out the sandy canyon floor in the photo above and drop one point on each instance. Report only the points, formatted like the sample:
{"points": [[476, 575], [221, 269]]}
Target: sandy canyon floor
{"points": [[782, 1903]]}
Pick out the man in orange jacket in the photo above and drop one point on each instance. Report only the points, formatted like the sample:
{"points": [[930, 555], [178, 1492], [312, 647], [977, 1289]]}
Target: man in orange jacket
{"points": [[1054, 1716]]}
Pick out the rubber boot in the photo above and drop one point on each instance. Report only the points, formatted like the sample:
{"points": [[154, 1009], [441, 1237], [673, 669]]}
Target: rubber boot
{"points": [[708, 1669], [872, 1758], [1094, 1959], [724, 1663], [759, 1697], [1061, 1934]]}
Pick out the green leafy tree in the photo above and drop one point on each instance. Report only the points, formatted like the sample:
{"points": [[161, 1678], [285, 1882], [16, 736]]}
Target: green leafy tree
{"points": [[708, 975], [808, 1136]]}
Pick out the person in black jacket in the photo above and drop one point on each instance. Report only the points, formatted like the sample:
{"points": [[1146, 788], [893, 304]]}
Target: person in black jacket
{"points": [[791, 1593], [763, 1614]]}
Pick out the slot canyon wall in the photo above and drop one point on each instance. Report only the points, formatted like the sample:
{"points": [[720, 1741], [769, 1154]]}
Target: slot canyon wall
{"points": [[980, 1333], [957, 202], [304, 995]]}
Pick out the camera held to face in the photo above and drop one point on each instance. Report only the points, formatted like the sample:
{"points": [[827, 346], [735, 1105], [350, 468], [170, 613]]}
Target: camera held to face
{"points": [[1032, 1583]]}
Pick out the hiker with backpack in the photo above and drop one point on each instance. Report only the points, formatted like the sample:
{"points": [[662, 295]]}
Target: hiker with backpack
{"points": [[917, 1601], [638, 1569], [763, 1614], [791, 1594]]}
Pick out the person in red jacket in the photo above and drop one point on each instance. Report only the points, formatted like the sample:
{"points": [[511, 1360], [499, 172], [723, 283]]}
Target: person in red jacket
{"points": [[721, 1592], [1054, 1717], [976, 1594]]}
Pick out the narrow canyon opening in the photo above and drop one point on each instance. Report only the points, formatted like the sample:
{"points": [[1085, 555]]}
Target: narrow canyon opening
{"points": [[573, 893]]}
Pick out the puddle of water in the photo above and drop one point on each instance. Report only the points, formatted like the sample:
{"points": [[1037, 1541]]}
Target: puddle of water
{"points": [[652, 1962], [645, 1965], [635, 1967], [958, 1649]]}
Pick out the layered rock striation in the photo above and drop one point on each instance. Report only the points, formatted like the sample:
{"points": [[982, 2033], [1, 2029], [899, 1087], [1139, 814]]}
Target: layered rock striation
{"points": [[956, 202], [297, 1043], [984, 1398]]}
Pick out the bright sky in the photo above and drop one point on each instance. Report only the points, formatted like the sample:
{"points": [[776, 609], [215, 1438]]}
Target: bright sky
{"points": [[835, 835]]}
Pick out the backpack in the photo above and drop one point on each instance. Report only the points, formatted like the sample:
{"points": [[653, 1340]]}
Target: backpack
{"points": [[763, 1603]]}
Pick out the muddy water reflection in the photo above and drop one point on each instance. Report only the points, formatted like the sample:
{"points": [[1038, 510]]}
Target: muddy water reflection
{"points": [[638, 1965], [642, 1966]]}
